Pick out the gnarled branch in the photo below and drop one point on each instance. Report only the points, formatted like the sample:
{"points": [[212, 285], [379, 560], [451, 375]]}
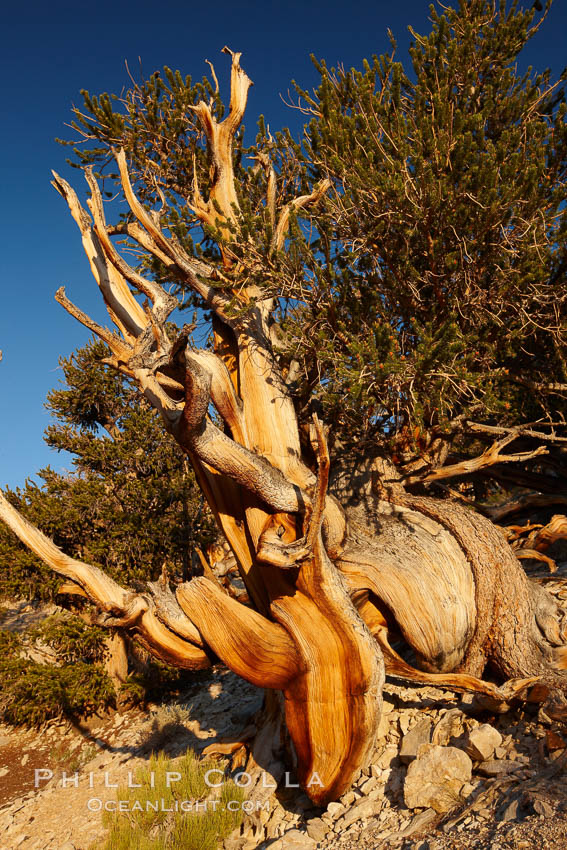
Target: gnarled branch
{"points": [[163, 303], [489, 457], [222, 191], [523, 431], [303, 201], [124, 310], [253, 647], [122, 607], [196, 434], [183, 264], [120, 349]]}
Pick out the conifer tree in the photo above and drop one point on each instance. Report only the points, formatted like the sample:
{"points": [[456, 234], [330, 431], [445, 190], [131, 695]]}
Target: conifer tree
{"points": [[401, 274]]}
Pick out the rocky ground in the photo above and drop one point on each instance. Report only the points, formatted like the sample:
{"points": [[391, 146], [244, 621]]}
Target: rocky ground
{"points": [[447, 774], [56, 815], [444, 775]]}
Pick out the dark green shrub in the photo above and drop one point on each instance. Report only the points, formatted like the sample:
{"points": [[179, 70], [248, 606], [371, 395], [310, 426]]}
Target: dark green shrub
{"points": [[32, 693], [71, 638]]}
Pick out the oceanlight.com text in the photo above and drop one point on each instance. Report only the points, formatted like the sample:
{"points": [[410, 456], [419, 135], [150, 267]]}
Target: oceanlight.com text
{"points": [[95, 804]]}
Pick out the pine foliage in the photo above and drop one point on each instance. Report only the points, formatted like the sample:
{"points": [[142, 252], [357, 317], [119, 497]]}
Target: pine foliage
{"points": [[443, 292]]}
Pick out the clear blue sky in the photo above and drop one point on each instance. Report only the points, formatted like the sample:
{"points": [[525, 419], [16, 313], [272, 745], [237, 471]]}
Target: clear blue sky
{"points": [[50, 50]]}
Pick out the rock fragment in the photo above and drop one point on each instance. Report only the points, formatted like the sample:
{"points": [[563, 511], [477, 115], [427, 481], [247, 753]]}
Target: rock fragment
{"points": [[417, 736], [482, 742], [435, 778]]}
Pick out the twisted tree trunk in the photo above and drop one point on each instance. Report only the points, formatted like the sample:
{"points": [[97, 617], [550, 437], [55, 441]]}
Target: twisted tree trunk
{"points": [[327, 586]]}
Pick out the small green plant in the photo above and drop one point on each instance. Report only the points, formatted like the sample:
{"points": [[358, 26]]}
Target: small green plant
{"points": [[161, 815], [132, 692], [159, 678], [10, 643], [32, 692], [71, 760]]}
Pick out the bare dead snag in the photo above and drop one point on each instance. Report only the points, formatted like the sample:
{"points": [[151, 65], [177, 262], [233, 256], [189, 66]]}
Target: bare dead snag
{"points": [[196, 433], [530, 541], [528, 501], [222, 190], [337, 656], [298, 203]]}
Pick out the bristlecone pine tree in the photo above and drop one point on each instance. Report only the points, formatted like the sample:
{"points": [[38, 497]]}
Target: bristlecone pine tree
{"points": [[402, 275]]}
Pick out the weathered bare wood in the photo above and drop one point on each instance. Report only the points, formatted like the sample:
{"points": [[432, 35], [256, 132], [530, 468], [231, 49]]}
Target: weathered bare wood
{"points": [[437, 623], [121, 350], [522, 431], [164, 304], [123, 307], [136, 232], [252, 646], [223, 394], [525, 554], [214, 448], [222, 190], [490, 457], [338, 657], [99, 587], [170, 614], [458, 682], [526, 501], [116, 660], [298, 203], [540, 537], [506, 635], [177, 256]]}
